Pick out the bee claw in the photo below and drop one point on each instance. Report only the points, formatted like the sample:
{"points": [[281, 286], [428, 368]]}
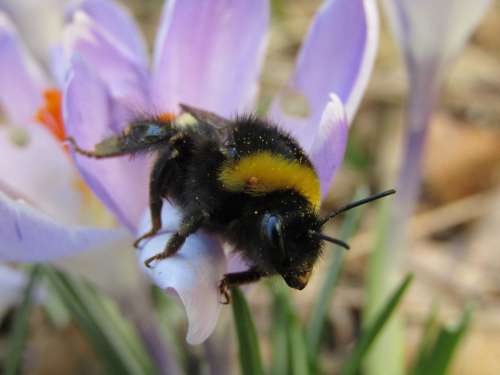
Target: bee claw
{"points": [[224, 291], [137, 242], [151, 233], [148, 261]]}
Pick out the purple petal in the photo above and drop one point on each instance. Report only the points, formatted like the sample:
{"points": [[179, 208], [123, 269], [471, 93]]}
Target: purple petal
{"points": [[330, 141], [22, 81], [27, 235], [337, 56], [42, 161], [119, 68], [208, 54], [121, 183], [193, 274], [116, 20], [433, 32], [57, 64]]}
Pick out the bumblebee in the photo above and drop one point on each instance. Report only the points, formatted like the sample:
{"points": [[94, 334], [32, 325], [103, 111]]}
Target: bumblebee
{"points": [[243, 179]]}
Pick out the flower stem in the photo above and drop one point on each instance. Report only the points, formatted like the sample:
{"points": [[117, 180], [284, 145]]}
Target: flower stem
{"points": [[387, 259], [424, 89]]}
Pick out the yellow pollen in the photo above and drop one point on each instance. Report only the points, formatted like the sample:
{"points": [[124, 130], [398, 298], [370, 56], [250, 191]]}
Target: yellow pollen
{"points": [[92, 210], [265, 172]]}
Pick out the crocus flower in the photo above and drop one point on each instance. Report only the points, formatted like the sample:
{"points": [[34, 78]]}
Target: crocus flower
{"points": [[207, 54], [41, 194], [41, 201], [430, 34]]}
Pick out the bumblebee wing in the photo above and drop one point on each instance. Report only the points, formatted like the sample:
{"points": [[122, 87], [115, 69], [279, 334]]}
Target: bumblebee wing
{"points": [[210, 118], [141, 136]]}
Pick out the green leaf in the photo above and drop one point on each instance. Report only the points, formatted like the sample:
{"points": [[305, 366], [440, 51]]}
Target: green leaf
{"points": [[387, 356], [353, 364], [356, 155], [289, 347], [298, 349], [19, 332], [113, 338], [438, 356], [320, 309], [279, 331], [249, 351], [427, 341]]}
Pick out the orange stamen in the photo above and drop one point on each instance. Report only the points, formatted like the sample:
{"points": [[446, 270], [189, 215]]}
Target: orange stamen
{"points": [[50, 114]]}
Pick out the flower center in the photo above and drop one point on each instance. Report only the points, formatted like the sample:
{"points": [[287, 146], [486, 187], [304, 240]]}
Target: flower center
{"points": [[50, 114]]}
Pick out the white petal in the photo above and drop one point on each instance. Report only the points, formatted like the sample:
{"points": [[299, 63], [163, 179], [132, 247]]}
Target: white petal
{"points": [[330, 142], [431, 31], [41, 172], [193, 274]]}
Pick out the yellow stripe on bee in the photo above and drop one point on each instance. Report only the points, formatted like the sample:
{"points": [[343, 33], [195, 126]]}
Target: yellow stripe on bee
{"points": [[264, 172]]}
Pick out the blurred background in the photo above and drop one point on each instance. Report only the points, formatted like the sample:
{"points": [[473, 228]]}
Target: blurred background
{"points": [[455, 240]]}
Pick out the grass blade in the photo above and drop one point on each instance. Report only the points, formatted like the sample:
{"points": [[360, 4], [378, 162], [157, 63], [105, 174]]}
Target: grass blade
{"points": [[320, 309], [353, 364], [298, 348], [439, 356], [249, 351], [387, 356], [279, 331], [17, 339], [289, 345], [427, 341], [111, 336]]}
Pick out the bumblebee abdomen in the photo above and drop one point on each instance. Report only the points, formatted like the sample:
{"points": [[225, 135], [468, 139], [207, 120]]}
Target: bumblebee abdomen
{"points": [[264, 172], [267, 160]]}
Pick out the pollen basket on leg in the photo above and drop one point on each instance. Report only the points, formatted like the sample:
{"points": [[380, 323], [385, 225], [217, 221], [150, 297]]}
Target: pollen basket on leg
{"points": [[264, 172], [166, 116]]}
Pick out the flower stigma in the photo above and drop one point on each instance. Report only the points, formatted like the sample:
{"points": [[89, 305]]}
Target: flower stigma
{"points": [[50, 114]]}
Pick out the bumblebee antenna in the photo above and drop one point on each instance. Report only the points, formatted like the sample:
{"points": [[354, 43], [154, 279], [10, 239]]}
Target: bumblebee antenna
{"points": [[335, 241], [360, 202]]}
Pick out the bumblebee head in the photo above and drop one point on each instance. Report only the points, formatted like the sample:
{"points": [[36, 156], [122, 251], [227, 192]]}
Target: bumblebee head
{"points": [[293, 249]]}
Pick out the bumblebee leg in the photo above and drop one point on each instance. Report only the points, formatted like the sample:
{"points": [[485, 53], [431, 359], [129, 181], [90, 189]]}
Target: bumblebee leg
{"points": [[189, 225], [88, 153], [156, 192], [234, 279]]}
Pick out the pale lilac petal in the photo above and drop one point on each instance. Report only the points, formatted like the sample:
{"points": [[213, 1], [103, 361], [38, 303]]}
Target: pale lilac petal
{"points": [[40, 171], [433, 32], [124, 73], [21, 80], [116, 20], [12, 283], [193, 274], [337, 56], [27, 235], [57, 64], [236, 263], [39, 22], [121, 183], [330, 142], [208, 54]]}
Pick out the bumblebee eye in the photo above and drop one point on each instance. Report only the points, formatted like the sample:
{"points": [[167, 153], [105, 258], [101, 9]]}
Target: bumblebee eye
{"points": [[272, 233]]}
